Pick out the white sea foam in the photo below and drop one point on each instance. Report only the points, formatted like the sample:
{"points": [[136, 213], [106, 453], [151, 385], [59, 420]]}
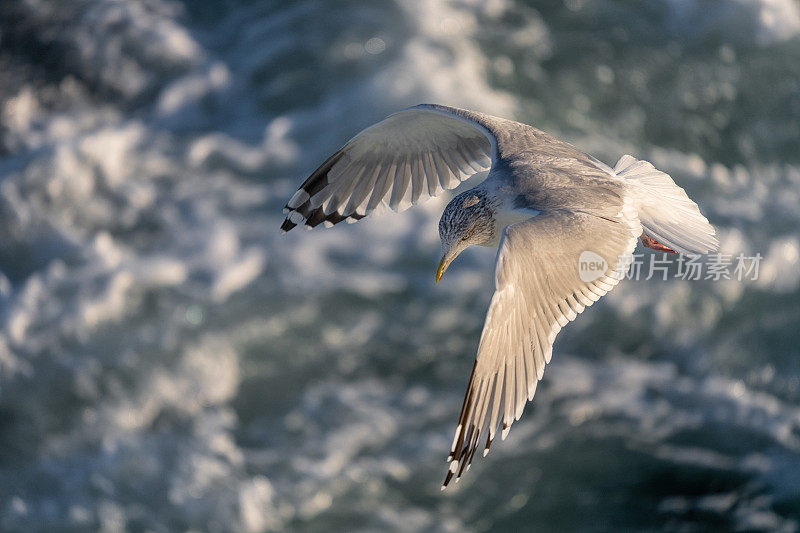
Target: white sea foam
{"points": [[169, 361], [767, 21]]}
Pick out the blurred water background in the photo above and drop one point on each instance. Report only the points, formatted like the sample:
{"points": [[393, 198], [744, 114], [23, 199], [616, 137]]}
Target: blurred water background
{"points": [[169, 361]]}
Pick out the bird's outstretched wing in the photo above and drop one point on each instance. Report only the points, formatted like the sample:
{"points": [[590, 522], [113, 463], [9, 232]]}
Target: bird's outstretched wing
{"points": [[549, 269], [406, 158]]}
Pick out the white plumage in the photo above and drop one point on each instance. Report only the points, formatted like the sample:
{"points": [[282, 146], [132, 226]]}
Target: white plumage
{"points": [[547, 204], [665, 211]]}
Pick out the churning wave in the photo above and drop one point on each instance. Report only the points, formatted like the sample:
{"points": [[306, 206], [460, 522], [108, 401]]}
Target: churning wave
{"points": [[169, 361]]}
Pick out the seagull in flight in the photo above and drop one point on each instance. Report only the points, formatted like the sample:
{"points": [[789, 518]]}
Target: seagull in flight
{"points": [[565, 225]]}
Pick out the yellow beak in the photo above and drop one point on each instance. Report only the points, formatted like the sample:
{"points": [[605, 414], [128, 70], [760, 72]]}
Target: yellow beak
{"points": [[443, 264]]}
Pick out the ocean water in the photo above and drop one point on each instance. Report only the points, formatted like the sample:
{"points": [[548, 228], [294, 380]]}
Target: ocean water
{"points": [[170, 362]]}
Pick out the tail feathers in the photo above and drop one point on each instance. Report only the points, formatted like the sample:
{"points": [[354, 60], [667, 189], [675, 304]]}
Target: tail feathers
{"points": [[667, 214]]}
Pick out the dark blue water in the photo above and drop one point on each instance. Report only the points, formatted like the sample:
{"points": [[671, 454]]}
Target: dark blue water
{"points": [[169, 361]]}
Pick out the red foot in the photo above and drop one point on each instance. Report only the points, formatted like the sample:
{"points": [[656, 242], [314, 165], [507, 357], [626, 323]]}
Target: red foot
{"points": [[654, 244]]}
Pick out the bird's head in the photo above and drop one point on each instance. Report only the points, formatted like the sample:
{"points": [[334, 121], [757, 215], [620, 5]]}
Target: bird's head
{"points": [[468, 219]]}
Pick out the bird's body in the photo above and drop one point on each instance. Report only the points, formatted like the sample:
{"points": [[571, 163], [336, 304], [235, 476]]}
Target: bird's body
{"points": [[565, 225]]}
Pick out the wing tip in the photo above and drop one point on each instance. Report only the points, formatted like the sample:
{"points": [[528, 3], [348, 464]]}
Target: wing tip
{"points": [[311, 218], [287, 226]]}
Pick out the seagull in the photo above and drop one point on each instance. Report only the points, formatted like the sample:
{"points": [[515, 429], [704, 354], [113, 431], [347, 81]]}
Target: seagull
{"points": [[564, 224]]}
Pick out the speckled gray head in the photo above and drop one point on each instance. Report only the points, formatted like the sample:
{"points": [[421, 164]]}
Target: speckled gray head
{"points": [[468, 219]]}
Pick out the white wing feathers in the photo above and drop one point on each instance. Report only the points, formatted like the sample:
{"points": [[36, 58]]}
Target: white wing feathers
{"points": [[668, 215], [540, 285], [406, 158]]}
